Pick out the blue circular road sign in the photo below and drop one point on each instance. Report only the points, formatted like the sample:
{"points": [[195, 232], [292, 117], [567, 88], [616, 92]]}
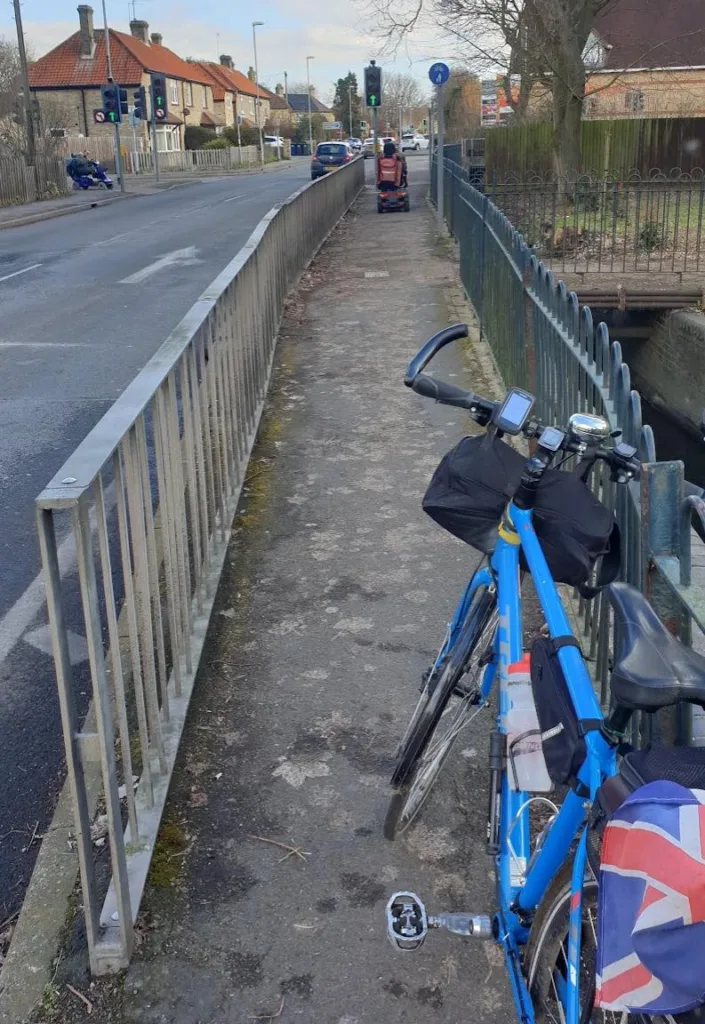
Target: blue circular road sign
{"points": [[439, 73]]}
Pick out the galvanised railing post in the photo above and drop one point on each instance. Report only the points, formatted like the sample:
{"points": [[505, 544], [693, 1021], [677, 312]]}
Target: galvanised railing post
{"points": [[661, 503], [528, 322]]}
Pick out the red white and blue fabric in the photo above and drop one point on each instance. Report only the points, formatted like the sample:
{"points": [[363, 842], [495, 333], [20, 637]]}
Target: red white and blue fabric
{"points": [[651, 906]]}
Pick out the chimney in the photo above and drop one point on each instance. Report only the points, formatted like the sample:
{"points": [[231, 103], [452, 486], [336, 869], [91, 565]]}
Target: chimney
{"points": [[156, 39], [279, 90], [312, 90], [86, 39], [140, 30], [226, 61]]}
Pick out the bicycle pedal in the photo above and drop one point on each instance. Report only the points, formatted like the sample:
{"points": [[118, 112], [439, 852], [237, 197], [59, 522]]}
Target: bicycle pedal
{"points": [[407, 922]]}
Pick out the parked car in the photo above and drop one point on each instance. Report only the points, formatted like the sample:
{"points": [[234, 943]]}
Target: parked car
{"points": [[355, 144], [369, 144], [416, 143], [274, 141], [328, 156]]}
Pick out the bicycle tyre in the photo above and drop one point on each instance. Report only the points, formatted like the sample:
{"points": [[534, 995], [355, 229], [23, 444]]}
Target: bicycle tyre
{"points": [[544, 954], [429, 712]]}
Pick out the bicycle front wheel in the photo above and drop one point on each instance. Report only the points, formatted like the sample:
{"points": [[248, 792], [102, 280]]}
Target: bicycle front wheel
{"points": [[448, 702]]}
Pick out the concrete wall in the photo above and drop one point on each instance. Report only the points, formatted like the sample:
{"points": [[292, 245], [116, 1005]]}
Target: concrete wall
{"points": [[669, 368]]}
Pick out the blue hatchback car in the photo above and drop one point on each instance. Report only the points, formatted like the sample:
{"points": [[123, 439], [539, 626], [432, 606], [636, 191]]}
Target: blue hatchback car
{"points": [[328, 156]]}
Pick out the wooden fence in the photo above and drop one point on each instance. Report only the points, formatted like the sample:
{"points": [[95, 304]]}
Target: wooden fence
{"points": [[22, 184], [644, 145]]}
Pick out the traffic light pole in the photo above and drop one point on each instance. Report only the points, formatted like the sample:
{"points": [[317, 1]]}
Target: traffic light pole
{"points": [[26, 95], [116, 125], [155, 153]]}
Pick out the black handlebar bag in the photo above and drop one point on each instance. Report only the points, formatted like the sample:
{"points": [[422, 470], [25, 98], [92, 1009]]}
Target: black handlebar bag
{"points": [[473, 484], [471, 487]]}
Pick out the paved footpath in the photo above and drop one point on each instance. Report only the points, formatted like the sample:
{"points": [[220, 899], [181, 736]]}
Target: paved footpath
{"points": [[335, 593]]}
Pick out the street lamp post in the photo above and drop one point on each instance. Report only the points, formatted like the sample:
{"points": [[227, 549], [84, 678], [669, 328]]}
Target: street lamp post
{"points": [[308, 85], [350, 92], [258, 101]]}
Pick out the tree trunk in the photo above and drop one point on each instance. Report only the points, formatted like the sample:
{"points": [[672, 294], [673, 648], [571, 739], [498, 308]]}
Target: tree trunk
{"points": [[568, 90]]}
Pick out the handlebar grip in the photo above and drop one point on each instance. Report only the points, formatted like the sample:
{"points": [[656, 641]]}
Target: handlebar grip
{"points": [[432, 346], [446, 394]]}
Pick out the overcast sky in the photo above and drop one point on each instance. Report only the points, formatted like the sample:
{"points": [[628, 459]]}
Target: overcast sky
{"points": [[332, 31]]}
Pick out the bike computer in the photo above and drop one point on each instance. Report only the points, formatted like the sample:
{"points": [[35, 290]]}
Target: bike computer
{"points": [[513, 412], [551, 439]]}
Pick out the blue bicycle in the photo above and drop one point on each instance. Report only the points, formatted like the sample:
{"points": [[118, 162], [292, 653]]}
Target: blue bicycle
{"points": [[532, 516]]}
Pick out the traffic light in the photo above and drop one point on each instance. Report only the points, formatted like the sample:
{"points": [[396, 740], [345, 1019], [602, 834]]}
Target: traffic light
{"points": [[373, 85], [110, 101], [124, 109], [425, 124], [363, 125], [159, 97], [140, 104]]}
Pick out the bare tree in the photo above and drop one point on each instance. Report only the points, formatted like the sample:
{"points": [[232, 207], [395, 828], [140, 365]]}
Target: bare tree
{"points": [[462, 104], [10, 77], [539, 40]]}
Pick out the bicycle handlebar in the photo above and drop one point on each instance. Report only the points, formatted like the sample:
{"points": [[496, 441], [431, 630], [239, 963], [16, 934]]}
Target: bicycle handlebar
{"points": [[624, 463], [434, 345]]}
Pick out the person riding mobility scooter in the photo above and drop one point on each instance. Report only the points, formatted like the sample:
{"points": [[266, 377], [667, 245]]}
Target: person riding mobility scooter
{"points": [[392, 184]]}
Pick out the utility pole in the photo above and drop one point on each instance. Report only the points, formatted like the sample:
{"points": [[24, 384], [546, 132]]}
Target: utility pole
{"points": [[286, 87], [350, 92], [28, 116], [258, 101], [116, 126], [310, 123]]}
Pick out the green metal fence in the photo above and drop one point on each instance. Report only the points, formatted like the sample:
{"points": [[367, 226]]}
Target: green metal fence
{"points": [[544, 341]]}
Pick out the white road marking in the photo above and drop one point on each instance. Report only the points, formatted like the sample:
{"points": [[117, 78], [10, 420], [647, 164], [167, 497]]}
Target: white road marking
{"points": [[26, 608], [41, 639], [233, 198], [376, 273], [184, 257], [18, 272]]}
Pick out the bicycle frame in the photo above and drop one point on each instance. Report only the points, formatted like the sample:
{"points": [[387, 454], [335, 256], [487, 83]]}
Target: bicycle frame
{"points": [[519, 890]]}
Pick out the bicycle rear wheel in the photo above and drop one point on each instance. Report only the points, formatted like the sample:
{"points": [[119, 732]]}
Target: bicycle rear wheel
{"points": [[438, 718], [546, 958]]}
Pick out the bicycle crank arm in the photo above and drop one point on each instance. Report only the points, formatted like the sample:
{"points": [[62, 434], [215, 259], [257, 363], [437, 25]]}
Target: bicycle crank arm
{"points": [[408, 923]]}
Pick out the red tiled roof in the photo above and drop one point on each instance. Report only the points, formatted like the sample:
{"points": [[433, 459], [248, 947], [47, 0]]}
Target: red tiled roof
{"points": [[64, 67], [219, 83], [653, 33], [208, 121]]}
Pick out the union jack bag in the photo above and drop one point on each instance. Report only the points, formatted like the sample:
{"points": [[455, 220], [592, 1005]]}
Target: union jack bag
{"points": [[651, 903]]}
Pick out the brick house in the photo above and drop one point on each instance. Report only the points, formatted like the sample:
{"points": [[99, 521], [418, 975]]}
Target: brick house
{"points": [[646, 58], [234, 93], [298, 101], [66, 82], [282, 113]]}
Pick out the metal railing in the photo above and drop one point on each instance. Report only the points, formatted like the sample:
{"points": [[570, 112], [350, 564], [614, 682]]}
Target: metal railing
{"points": [[544, 341], [610, 224], [150, 495], [195, 161]]}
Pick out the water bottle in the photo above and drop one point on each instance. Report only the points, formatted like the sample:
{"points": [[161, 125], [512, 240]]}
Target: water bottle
{"points": [[526, 766]]}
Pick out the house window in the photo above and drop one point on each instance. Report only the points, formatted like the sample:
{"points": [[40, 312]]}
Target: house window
{"points": [[188, 94], [204, 97], [168, 140], [589, 106], [173, 93], [634, 100]]}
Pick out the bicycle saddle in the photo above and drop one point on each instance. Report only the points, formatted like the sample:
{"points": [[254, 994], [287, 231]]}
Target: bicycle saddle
{"points": [[651, 668]]}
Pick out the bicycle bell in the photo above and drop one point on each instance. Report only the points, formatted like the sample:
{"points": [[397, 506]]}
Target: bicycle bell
{"points": [[587, 428]]}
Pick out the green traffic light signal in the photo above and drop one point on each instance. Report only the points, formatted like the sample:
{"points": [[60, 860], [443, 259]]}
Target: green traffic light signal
{"points": [[373, 100], [111, 116]]}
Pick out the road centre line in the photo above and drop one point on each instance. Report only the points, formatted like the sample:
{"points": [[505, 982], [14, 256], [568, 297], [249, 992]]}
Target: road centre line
{"points": [[18, 272], [233, 198]]}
